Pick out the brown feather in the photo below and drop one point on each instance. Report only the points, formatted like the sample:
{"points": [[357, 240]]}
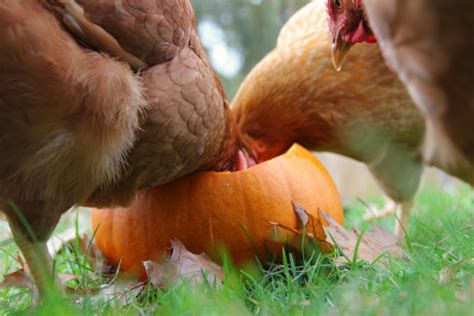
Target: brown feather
{"points": [[364, 112], [78, 124], [430, 45]]}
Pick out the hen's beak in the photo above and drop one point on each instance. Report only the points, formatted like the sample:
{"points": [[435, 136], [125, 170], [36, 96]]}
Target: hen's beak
{"points": [[339, 50]]}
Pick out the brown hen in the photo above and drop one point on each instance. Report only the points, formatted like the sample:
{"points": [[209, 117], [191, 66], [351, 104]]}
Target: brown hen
{"points": [[364, 111], [77, 124], [429, 44]]}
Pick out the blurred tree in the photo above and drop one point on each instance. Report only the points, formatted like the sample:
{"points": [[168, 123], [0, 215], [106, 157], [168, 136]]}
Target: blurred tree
{"points": [[249, 28]]}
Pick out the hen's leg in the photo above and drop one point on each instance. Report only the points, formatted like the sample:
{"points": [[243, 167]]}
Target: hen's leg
{"points": [[403, 216], [399, 174], [32, 223], [401, 210], [40, 264]]}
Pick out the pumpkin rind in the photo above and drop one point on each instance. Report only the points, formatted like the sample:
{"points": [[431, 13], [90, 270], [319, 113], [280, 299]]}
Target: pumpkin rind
{"points": [[208, 210]]}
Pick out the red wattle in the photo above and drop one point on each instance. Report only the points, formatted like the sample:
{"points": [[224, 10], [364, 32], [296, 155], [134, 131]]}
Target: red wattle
{"points": [[358, 36]]}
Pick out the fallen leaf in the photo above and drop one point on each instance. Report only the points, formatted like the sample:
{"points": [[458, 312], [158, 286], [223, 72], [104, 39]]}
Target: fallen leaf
{"points": [[381, 239], [183, 266], [326, 230], [372, 244], [301, 213], [17, 279], [22, 279], [66, 277], [123, 291], [293, 230], [312, 226]]}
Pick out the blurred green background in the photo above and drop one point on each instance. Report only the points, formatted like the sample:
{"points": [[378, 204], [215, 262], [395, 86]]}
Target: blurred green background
{"points": [[238, 33]]}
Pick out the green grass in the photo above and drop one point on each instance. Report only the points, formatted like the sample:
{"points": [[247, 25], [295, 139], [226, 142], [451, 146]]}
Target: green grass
{"points": [[435, 277]]}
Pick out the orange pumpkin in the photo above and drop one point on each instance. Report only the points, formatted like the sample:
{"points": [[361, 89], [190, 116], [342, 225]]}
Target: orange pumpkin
{"points": [[208, 210]]}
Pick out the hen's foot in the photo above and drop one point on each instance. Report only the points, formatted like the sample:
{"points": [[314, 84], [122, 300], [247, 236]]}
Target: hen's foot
{"points": [[402, 212], [403, 216], [373, 212]]}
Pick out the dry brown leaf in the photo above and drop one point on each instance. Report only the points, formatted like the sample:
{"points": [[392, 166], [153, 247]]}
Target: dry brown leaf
{"points": [[372, 245], [17, 279], [381, 239], [22, 279], [313, 227], [65, 277], [316, 227], [122, 292], [293, 230], [183, 266], [301, 213]]}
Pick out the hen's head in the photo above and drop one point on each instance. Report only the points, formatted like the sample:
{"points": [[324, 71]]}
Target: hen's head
{"points": [[348, 25]]}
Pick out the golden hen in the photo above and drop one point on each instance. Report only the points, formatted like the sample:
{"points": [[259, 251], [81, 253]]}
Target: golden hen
{"points": [[77, 125], [430, 45], [364, 111]]}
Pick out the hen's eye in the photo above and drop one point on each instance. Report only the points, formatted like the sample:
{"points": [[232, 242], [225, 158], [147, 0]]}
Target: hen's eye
{"points": [[337, 3]]}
